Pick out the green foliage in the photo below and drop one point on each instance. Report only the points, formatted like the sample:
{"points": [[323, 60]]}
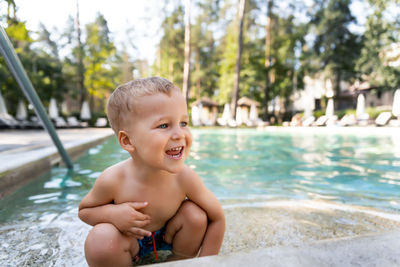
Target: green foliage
{"points": [[335, 48], [172, 46], [101, 69], [381, 32], [331, 51], [43, 69], [318, 113], [373, 112]]}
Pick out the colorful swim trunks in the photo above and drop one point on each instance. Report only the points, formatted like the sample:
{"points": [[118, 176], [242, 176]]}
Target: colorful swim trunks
{"points": [[154, 243]]}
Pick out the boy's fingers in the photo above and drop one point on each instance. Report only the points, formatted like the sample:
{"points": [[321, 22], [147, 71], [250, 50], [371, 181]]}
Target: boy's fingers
{"points": [[138, 205], [139, 232], [140, 224], [141, 217]]}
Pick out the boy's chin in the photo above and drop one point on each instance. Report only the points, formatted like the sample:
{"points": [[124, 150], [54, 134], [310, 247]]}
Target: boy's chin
{"points": [[175, 169]]}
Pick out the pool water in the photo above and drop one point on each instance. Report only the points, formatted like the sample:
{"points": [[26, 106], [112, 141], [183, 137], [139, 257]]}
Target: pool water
{"points": [[243, 167], [250, 164]]}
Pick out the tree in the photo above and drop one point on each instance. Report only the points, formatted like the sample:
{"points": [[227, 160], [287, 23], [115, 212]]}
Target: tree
{"points": [[235, 96], [79, 54], [172, 46], [186, 66], [381, 33], [335, 47], [204, 74], [268, 56], [102, 69], [42, 67]]}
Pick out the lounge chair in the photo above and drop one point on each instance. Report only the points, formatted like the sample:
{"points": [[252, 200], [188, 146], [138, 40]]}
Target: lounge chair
{"points": [[394, 123], [363, 120], [101, 122], [308, 121], [73, 122], [212, 121], [196, 116], [8, 122], [321, 121], [59, 122], [296, 120], [332, 121], [348, 120], [383, 118]]}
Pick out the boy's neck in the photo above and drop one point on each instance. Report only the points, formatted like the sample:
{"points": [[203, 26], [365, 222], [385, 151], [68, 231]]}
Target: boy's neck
{"points": [[147, 173]]}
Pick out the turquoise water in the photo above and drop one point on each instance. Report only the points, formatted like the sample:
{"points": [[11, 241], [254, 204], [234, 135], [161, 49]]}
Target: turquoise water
{"points": [[242, 166]]}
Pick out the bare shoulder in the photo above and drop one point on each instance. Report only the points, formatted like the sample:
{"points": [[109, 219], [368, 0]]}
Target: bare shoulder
{"points": [[188, 177], [113, 175]]}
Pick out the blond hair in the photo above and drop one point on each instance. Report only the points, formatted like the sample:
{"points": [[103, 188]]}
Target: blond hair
{"points": [[121, 101]]}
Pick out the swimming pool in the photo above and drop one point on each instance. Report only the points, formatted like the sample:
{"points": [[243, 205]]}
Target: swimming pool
{"points": [[245, 168], [255, 165]]}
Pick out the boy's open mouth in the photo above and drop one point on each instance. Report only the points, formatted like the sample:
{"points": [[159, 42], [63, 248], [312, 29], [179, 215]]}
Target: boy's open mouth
{"points": [[175, 153]]}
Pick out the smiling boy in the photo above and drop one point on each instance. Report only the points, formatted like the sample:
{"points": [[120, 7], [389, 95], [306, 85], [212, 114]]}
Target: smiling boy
{"points": [[152, 200]]}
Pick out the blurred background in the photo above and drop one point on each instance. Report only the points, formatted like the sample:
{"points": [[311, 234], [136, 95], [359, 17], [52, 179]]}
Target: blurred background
{"points": [[285, 55]]}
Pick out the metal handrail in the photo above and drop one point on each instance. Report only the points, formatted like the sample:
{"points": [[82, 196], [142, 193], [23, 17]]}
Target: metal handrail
{"points": [[16, 68]]}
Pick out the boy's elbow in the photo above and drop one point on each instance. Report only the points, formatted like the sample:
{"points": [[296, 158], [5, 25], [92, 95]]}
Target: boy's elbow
{"points": [[82, 214]]}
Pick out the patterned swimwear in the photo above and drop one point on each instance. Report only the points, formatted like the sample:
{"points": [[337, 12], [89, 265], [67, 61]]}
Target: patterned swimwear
{"points": [[153, 243]]}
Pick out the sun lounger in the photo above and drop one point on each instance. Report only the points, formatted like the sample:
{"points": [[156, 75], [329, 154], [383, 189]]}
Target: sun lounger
{"points": [[348, 120], [321, 121], [101, 122], [74, 123], [383, 118], [363, 120], [59, 122], [394, 123], [232, 123], [308, 121], [9, 122], [332, 121], [296, 120]]}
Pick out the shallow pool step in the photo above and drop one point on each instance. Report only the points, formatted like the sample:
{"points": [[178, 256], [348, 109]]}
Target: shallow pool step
{"points": [[371, 250]]}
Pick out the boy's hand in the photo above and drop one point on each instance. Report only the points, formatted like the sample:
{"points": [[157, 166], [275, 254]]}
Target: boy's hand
{"points": [[130, 221]]}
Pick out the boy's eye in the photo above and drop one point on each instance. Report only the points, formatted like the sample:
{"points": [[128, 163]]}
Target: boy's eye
{"points": [[184, 124], [163, 126]]}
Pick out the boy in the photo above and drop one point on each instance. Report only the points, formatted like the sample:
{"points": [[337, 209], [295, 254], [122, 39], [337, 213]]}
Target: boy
{"points": [[151, 200]]}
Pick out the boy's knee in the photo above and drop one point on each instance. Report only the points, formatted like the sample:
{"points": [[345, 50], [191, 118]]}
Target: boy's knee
{"points": [[102, 242], [194, 216]]}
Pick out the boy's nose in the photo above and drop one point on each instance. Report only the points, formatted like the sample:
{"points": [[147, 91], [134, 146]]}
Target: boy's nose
{"points": [[178, 133]]}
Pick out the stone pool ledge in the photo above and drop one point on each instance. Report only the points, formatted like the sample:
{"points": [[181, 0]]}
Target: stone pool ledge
{"points": [[25, 154], [369, 250]]}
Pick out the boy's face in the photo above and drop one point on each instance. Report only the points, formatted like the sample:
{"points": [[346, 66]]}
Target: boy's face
{"points": [[159, 131]]}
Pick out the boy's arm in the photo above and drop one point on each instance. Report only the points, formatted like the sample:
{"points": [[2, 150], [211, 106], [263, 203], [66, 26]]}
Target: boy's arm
{"points": [[204, 198], [97, 207]]}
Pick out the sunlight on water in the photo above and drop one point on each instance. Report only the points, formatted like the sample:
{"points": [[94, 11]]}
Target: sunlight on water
{"points": [[243, 165]]}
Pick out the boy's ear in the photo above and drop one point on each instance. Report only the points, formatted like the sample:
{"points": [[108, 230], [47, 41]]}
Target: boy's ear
{"points": [[125, 141]]}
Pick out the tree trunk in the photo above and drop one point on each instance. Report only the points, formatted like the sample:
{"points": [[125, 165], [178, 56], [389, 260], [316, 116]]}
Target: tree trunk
{"points": [[81, 69], [235, 95], [198, 81], [186, 68], [268, 58], [159, 61]]}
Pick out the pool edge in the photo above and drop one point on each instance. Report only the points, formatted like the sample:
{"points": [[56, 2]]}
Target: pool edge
{"points": [[14, 177]]}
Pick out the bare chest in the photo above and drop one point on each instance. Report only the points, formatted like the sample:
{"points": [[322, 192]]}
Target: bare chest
{"points": [[163, 200]]}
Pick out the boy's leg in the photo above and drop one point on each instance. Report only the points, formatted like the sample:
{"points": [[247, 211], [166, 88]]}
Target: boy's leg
{"points": [[105, 245], [185, 231]]}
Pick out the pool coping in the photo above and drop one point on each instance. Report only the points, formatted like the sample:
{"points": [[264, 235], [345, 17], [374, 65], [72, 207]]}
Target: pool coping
{"points": [[368, 250], [24, 164]]}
